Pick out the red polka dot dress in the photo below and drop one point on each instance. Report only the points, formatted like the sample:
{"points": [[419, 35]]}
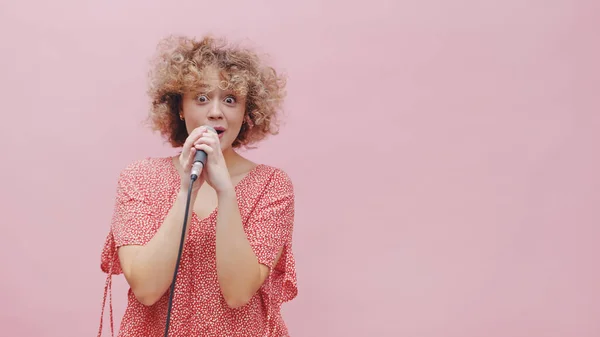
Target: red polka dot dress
{"points": [[146, 191]]}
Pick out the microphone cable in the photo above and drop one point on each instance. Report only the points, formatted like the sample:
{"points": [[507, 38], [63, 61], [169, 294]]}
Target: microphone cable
{"points": [[172, 291], [198, 165]]}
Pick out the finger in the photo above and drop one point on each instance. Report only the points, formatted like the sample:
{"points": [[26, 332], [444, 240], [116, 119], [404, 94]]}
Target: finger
{"points": [[185, 149], [211, 134], [202, 146], [205, 147], [206, 132], [211, 131], [199, 130], [192, 138], [206, 140], [190, 159], [186, 160]]}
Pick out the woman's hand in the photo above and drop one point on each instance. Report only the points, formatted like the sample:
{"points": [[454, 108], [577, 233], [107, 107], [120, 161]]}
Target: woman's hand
{"points": [[215, 171], [186, 160]]}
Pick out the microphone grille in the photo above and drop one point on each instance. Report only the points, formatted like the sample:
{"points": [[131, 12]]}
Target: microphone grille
{"points": [[210, 128]]}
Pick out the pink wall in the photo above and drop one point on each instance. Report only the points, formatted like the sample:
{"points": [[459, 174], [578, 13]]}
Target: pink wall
{"points": [[445, 155]]}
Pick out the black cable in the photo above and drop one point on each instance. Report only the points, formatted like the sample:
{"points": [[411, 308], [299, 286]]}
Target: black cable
{"points": [[172, 291]]}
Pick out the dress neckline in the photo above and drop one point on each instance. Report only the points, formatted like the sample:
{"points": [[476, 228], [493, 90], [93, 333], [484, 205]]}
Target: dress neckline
{"points": [[237, 187]]}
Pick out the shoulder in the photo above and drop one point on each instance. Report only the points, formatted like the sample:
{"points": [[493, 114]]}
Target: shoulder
{"points": [[269, 182], [274, 176], [149, 171], [148, 166]]}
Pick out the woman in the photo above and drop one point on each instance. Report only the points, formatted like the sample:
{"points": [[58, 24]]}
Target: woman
{"points": [[237, 266]]}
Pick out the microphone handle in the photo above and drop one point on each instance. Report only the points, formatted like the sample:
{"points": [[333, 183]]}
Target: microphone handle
{"points": [[199, 160], [200, 157]]}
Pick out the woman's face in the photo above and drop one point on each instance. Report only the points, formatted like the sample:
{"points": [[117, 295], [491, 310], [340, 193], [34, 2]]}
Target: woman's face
{"points": [[211, 105]]}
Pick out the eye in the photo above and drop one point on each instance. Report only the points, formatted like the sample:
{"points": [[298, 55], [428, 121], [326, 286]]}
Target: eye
{"points": [[202, 99], [230, 100]]}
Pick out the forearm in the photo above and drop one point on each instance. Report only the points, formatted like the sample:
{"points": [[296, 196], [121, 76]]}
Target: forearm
{"points": [[152, 267], [237, 266]]}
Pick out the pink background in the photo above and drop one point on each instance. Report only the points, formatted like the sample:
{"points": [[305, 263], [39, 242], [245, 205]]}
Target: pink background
{"points": [[445, 156]]}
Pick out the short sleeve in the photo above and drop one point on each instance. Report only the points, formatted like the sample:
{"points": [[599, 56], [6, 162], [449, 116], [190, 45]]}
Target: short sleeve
{"points": [[269, 230], [271, 223], [132, 221]]}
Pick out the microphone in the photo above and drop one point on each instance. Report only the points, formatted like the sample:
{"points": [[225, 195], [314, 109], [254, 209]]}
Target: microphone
{"points": [[199, 159]]}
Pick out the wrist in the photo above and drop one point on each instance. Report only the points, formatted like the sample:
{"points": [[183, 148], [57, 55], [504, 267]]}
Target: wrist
{"points": [[225, 191], [184, 191]]}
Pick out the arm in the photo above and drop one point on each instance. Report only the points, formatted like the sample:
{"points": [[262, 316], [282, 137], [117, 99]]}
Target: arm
{"points": [[245, 253], [239, 272], [149, 269], [149, 263]]}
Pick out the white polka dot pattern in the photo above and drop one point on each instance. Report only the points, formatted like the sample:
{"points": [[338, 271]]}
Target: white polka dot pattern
{"points": [[146, 190]]}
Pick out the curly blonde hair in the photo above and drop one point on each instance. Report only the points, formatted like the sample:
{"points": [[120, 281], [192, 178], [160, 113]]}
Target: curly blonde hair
{"points": [[178, 68]]}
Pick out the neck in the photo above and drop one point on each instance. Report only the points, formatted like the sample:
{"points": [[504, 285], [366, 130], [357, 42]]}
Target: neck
{"points": [[231, 158]]}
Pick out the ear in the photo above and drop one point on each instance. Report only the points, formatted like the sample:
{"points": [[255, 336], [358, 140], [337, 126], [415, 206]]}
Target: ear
{"points": [[248, 120], [180, 107]]}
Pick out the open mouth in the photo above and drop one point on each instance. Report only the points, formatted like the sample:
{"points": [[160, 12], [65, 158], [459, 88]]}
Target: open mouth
{"points": [[220, 130]]}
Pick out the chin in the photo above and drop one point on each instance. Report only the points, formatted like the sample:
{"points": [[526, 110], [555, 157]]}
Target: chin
{"points": [[226, 143], [225, 147]]}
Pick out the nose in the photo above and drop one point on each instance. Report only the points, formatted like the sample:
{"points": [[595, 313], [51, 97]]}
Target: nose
{"points": [[215, 112]]}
